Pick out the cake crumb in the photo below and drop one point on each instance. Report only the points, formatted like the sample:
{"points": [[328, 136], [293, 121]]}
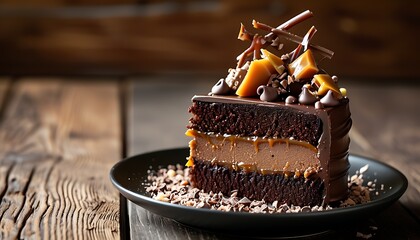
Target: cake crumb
{"points": [[364, 236]]}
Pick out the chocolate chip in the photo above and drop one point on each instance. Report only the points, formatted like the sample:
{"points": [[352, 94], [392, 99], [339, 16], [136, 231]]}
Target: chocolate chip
{"points": [[306, 97], [290, 100], [220, 88], [329, 100], [267, 94]]}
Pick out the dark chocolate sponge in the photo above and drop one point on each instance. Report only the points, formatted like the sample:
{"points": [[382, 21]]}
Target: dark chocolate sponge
{"points": [[255, 186], [255, 120]]}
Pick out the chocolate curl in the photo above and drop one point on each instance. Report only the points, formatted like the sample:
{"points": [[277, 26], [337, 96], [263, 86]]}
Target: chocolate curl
{"points": [[262, 26], [294, 38], [304, 43], [297, 39], [244, 34], [256, 45], [292, 22]]}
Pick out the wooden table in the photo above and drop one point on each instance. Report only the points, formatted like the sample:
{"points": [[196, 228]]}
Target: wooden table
{"points": [[59, 137]]}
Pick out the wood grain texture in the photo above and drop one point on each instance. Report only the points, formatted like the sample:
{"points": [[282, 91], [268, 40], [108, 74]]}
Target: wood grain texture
{"points": [[5, 84], [380, 113], [152, 100], [149, 36], [386, 127], [58, 141]]}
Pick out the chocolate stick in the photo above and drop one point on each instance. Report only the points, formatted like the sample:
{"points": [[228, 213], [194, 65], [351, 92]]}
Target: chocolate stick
{"points": [[291, 37], [297, 39], [279, 31], [293, 21], [245, 35]]}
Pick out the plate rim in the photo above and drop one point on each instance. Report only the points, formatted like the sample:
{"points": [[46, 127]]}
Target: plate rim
{"points": [[377, 203]]}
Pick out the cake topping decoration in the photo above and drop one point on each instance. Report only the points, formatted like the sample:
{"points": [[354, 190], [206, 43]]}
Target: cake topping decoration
{"points": [[306, 96], [329, 100], [290, 100], [324, 82], [259, 73], [267, 93], [220, 88], [303, 67], [264, 71]]}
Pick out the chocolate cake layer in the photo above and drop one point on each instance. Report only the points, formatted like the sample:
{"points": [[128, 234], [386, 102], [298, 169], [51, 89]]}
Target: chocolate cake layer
{"points": [[270, 187], [255, 120], [332, 141]]}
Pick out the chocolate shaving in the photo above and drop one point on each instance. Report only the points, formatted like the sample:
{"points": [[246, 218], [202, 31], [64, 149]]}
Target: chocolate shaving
{"points": [[172, 185]]}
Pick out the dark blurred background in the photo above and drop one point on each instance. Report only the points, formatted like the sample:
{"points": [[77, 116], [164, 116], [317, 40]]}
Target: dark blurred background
{"points": [[376, 38]]}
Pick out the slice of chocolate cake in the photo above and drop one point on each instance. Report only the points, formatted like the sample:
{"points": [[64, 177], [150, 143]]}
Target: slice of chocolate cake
{"points": [[276, 128]]}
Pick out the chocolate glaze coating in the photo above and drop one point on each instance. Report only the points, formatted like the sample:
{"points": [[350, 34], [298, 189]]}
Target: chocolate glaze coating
{"points": [[332, 141]]}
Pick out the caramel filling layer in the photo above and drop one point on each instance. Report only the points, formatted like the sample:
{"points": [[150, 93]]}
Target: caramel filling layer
{"points": [[255, 154]]}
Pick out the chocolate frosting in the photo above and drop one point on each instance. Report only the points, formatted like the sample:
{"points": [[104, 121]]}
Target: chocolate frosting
{"points": [[332, 146]]}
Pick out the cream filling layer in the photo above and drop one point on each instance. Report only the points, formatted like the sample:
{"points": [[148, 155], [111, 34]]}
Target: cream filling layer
{"points": [[273, 155]]}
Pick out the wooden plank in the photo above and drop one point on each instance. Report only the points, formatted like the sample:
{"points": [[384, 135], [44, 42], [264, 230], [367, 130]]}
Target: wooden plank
{"points": [[4, 88], [59, 140], [154, 98], [386, 118], [199, 36]]}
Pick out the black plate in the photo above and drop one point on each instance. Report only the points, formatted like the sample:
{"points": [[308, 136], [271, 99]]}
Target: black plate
{"points": [[129, 174]]}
